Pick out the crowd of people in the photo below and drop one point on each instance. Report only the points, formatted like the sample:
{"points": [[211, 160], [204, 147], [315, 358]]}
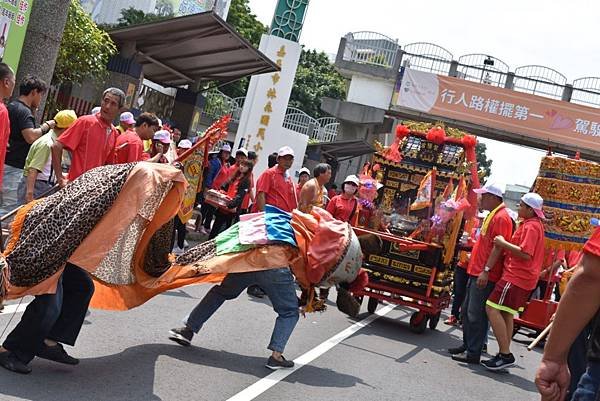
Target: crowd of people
{"points": [[507, 266]]}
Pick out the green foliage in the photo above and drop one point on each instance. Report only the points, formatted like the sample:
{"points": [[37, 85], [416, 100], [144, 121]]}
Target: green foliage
{"points": [[315, 78], [84, 50], [485, 164], [241, 18], [132, 16], [246, 24]]}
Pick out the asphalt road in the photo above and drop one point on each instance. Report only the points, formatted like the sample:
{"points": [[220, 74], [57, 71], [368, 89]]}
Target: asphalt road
{"points": [[127, 356]]}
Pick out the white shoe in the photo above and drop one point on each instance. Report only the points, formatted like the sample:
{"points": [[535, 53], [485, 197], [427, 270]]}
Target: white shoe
{"points": [[178, 251]]}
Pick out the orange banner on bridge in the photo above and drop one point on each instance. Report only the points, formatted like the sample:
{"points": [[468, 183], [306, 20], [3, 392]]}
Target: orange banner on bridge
{"points": [[534, 116]]}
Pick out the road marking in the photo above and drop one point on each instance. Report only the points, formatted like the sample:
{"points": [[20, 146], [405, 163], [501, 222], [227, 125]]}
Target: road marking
{"points": [[256, 389], [14, 308]]}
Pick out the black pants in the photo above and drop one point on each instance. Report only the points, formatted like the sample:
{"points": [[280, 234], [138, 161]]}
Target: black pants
{"points": [[460, 289], [222, 222], [57, 317], [179, 232], [207, 211]]}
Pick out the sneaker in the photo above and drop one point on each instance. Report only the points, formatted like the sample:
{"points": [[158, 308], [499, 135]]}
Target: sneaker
{"points": [[457, 350], [58, 354], [177, 251], [274, 364], [182, 336], [451, 321], [499, 362], [9, 361], [185, 244], [464, 357]]}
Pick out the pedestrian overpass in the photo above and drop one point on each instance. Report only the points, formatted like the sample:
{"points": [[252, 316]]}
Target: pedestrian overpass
{"points": [[529, 105]]}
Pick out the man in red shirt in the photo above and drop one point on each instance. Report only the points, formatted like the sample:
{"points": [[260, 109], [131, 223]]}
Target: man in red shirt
{"points": [[483, 274], [7, 85], [91, 139], [522, 266], [275, 187], [129, 146], [579, 305]]}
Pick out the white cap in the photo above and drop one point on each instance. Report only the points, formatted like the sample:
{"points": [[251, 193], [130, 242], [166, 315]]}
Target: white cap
{"points": [[163, 136], [127, 118], [243, 151], [352, 179], [304, 170], [535, 202], [284, 151], [95, 110], [490, 188], [184, 144], [226, 148]]}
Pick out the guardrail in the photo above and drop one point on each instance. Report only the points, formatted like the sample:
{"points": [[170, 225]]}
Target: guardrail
{"points": [[375, 49]]}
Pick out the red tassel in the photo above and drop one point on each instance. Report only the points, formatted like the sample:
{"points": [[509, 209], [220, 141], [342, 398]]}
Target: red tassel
{"points": [[402, 132], [436, 135]]}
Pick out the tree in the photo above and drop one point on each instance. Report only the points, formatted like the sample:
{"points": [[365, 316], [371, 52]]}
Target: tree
{"points": [[132, 16], [246, 24], [315, 78], [84, 49], [241, 18], [164, 8], [485, 164]]}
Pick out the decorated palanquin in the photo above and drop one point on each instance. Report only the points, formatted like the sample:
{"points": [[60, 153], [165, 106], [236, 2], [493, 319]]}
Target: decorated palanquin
{"points": [[424, 178], [571, 192]]}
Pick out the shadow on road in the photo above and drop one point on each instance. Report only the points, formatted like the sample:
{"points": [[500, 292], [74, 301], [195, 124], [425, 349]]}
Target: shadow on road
{"points": [[130, 375], [433, 340]]}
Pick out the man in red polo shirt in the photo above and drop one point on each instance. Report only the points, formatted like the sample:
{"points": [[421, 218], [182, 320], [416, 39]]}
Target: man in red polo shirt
{"points": [[275, 186], [522, 265], [483, 275], [91, 139], [129, 146]]}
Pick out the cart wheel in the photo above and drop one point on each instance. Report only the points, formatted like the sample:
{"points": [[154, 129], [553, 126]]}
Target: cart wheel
{"points": [[359, 299], [418, 322], [372, 304], [434, 320]]}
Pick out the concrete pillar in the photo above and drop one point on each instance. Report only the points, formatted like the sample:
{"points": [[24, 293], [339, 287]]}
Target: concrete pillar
{"points": [[567, 93], [453, 69], [42, 41], [510, 80]]}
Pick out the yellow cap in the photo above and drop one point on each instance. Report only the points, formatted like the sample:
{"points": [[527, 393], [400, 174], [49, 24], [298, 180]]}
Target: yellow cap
{"points": [[65, 118]]}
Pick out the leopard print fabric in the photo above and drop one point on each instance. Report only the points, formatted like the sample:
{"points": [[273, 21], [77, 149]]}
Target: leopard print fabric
{"points": [[156, 261], [56, 225], [116, 267], [199, 253]]}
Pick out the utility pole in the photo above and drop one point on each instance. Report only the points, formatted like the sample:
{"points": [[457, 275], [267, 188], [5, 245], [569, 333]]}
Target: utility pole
{"points": [[42, 41]]}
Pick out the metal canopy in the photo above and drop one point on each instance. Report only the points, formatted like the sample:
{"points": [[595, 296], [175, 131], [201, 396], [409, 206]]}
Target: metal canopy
{"points": [[192, 48], [346, 149]]}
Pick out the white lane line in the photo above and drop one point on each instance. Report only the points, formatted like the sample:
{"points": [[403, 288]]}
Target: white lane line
{"points": [[14, 308], [256, 389]]}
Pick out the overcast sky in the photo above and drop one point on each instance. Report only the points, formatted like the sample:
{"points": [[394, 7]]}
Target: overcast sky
{"points": [[557, 34]]}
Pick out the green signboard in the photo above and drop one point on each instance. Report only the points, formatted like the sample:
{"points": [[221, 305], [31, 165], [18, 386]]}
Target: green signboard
{"points": [[14, 17]]}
